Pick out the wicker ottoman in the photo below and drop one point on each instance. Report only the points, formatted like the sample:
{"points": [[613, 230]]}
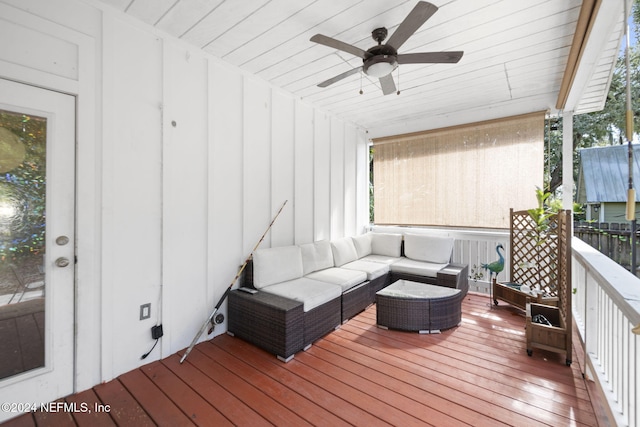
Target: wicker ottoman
{"points": [[412, 306]]}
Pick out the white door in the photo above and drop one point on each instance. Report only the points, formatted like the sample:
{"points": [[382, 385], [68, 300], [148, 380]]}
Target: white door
{"points": [[37, 245]]}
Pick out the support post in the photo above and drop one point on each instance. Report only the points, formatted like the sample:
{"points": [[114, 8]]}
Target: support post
{"points": [[567, 160]]}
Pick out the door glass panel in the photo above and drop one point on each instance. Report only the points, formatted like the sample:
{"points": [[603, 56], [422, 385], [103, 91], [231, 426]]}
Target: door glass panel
{"points": [[22, 242]]}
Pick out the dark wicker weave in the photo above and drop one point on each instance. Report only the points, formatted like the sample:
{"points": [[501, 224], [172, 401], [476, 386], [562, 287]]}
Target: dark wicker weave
{"points": [[377, 284], [455, 276], [321, 320], [356, 300], [269, 321], [445, 312], [286, 333], [419, 314], [407, 314]]}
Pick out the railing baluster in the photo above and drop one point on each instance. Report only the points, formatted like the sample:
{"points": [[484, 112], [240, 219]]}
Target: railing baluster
{"points": [[607, 312]]}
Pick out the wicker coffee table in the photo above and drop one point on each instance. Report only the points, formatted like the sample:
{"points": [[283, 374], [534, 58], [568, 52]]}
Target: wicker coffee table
{"points": [[413, 306]]}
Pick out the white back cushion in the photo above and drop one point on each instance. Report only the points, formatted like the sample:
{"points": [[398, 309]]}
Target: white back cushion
{"points": [[362, 244], [386, 244], [275, 265], [316, 256], [428, 248], [343, 251]]}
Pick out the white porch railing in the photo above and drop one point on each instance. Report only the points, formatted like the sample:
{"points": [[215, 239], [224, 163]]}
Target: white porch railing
{"points": [[606, 309]]}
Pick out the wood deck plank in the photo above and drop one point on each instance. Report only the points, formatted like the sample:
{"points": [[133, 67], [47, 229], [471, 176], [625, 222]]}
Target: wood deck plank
{"points": [[559, 384], [379, 378], [516, 366], [466, 401], [125, 409], [96, 414], [475, 374], [343, 409], [461, 359], [265, 405], [311, 411], [234, 409], [332, 381], [381, 367], [56, 416], [458, 386], [153, 400], [191, 403]]}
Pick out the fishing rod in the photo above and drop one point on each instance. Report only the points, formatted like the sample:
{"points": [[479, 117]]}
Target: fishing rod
{"points": [[233, 282]]}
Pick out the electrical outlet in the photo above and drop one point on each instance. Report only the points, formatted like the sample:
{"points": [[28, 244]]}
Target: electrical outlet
{"points": [[145, 311]]}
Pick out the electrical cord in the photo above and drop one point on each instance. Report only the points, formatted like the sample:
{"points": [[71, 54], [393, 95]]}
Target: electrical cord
{"points": [[144, 356], [157, 333]]}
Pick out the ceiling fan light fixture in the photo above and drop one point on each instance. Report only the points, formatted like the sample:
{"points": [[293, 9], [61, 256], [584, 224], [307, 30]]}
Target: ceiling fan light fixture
{"points": [[380, 66], [379, 61]]}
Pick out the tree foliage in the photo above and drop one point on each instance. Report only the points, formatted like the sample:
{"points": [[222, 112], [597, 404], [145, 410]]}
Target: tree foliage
{"points": [[605, 127]]}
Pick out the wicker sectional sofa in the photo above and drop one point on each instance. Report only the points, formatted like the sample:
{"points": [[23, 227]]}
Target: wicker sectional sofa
{"points": [[306, 291]]}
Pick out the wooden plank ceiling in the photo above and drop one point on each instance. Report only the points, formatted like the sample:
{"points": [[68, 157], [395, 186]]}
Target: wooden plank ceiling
{"points": [[515, 54]]}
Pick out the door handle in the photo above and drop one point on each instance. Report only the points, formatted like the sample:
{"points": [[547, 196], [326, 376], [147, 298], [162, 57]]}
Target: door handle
{"points": [[62, 262]]}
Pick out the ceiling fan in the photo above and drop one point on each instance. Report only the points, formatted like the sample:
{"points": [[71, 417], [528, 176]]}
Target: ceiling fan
{"points": [[379, 61]]}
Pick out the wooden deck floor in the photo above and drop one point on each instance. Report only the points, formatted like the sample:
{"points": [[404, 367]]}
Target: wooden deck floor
{"points": [[477, 374]]}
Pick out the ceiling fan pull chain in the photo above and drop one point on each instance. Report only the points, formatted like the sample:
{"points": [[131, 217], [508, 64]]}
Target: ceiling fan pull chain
{"points": [[398, 92], [361, 92]]}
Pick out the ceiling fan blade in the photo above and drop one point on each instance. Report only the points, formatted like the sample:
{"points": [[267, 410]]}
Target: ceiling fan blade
{"points": [[337, 44], [430, 57], [388, 85], [340, 77], [414, 20]]}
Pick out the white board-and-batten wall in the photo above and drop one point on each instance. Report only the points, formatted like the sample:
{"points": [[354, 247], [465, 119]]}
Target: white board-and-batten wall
{"points": [[182, 162]]}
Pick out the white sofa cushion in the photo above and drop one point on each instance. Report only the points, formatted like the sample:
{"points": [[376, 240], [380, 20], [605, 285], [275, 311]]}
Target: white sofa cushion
{"points": [[275, 265], [420, 268], [388, 244], [373, 269], [433, 249], [346, 278], [343, 251], [362, 244], [312, 293], [385, 259], [316, 256]]}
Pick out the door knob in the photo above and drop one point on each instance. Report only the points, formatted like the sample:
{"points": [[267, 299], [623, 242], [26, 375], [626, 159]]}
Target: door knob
{"points": [[62, 262]]}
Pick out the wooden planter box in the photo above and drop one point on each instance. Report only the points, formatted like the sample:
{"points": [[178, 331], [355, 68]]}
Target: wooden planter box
{"points": [[556, 338], [511, 294]]}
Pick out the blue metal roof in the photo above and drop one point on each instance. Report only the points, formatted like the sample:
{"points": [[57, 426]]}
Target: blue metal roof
{"points": [[604, 173]]}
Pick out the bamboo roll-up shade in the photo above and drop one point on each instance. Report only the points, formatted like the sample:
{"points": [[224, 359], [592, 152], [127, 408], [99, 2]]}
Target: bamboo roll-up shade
{"points": [[464, 176]]}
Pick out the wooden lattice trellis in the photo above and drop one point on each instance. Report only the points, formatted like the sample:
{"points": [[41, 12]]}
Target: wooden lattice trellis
{"points": [[550, 248], [564, 272], [535, 252]]}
